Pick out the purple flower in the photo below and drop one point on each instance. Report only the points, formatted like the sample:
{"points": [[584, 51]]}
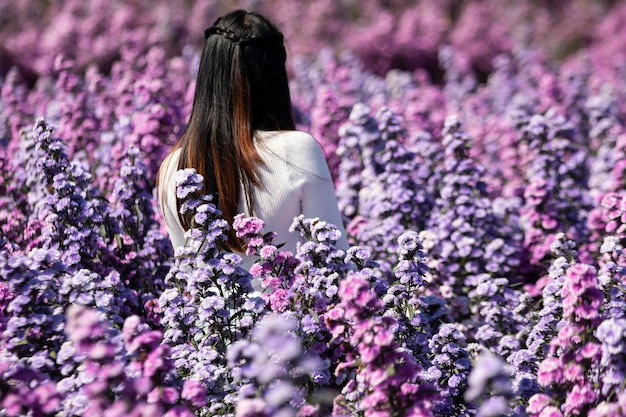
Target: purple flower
{"points": [[187, 183]]}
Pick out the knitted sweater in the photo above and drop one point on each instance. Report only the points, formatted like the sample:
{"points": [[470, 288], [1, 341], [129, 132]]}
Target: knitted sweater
{"points": [[295, 179]]}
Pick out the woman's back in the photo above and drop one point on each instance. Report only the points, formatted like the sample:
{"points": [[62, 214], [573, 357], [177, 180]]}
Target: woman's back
{"points": [[294, 180]]}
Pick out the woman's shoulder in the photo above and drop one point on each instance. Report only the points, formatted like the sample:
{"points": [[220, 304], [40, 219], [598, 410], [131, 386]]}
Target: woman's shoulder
{"points": [[290, 141], [301, 152]]}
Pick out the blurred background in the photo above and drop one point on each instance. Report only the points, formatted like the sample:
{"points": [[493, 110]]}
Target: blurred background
{"points": [[384, 34]]}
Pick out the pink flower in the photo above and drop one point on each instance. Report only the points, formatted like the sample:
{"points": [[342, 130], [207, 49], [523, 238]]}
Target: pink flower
{"points": [[550, 411], [589, 350], [279, 300], [168, 395], [548, 223], [611, 226], [569, 301], [383, 337], [408, 388], [361, 331], [573, 372], [334, 313], [550, 371], [365, 297], [247, 225], [369, 353], [351, 287], [12, 404], [587, 311], [610, 200], [308, 411], [378, 376], [581, 276], [271, 282], [269, 252], [537, 403], [372, 400], [249, 407], [614, 213], [579, 396], [257, 270], [195, 392]]}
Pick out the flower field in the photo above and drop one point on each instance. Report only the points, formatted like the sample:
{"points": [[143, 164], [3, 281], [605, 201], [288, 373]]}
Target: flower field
{"points": [[478, 150]]}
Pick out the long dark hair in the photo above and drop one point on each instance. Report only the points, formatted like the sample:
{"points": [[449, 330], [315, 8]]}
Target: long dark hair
{"points": [[242, 87]]}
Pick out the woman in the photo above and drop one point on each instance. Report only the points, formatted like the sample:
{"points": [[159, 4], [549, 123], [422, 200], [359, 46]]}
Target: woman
{"points": [[241, 138]]}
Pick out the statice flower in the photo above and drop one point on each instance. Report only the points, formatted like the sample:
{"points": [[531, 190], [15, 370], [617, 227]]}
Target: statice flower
{"points": [[321, 264], [327, 115], [141, 103], [250, 230], [74, 112], [124, 374], [472, 255], [307, 285], [360, 127], [208, 303], [611, 279], [418, 315], [382, 377], [23, 196], [610, 224], [271, 369], [26, 391], [142, 249], [568, 372], [394, 196], [35, 321], [132, 204], [556, 199], [532, 343], [422, 106], [74, 213], [603, 135], [94, 341], [90, 289], [274, 269], [612, 334], [450, 369], [489, 386]]}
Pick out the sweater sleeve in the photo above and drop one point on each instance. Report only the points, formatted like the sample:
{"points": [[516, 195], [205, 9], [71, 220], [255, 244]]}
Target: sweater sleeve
{"points": [[318, 198]]}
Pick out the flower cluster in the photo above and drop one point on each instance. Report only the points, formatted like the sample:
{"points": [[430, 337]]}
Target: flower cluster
{"points": [[382, 377], [475, 261], [127, 373], [273, 370], [556, 199], [394, 196], [489, 386], [450, 370], [481, 183], [568, 371], [208, 303]]}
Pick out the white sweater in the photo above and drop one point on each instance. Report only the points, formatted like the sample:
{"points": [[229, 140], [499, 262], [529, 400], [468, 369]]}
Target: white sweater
{"points": [[295, 179]]}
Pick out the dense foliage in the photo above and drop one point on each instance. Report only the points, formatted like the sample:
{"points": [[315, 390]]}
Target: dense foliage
{"points": [[479, 158]]}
